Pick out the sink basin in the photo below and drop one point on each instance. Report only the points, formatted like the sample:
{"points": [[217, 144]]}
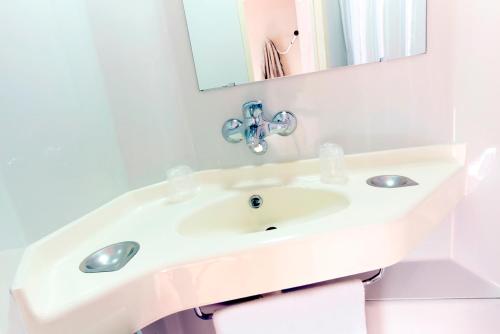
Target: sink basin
{"points": [[281, 207], [214, 247]]}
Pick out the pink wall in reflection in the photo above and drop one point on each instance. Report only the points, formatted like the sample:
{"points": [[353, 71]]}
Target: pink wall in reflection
{"points": [[275, 20]]}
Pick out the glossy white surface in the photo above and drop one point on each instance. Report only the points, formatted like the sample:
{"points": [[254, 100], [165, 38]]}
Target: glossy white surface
{"points": [[378, 228], [477, 82], [283, 206], [58, 154], [150, 92], [434, 317], [437, 279]]}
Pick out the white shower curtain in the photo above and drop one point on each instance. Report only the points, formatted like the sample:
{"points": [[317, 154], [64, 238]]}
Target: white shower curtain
{"points": [[413, 37], [363, 24], [404, 31], [382, 29]]}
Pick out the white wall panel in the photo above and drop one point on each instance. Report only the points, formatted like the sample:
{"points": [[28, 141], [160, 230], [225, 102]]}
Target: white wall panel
{"points": [[58, 152], [477, 114]]}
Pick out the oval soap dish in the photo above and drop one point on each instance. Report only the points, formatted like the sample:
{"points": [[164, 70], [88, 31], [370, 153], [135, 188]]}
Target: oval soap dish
{"points": [[111, 258], [391, 181]]}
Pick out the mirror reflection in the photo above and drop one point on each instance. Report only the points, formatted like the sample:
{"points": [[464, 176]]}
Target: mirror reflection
{"points": [[240, 41]]}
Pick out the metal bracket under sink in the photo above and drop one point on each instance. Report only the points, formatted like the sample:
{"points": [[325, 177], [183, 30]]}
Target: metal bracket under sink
{"points": [[369, 281]]}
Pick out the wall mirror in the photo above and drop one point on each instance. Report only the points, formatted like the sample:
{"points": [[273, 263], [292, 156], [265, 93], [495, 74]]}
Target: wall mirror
{"points": [[235, 42]]}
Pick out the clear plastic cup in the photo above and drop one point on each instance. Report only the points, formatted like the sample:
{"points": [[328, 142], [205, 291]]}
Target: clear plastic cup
{"points": [[182, 184], [332, 164]]}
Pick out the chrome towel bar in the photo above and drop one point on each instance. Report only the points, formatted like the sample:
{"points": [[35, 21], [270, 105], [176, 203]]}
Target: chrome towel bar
{"points": [[369, 281]]}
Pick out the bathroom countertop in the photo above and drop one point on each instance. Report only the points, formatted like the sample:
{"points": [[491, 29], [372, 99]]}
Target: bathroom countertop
{"points": [[174, 272]]}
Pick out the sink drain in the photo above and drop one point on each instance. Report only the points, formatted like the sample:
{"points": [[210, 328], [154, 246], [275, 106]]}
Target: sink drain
{"points": [[271, 228], [255, 201]]}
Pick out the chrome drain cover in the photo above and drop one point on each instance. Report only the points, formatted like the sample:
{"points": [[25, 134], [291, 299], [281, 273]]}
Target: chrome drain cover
{"points": [[255, 201]]}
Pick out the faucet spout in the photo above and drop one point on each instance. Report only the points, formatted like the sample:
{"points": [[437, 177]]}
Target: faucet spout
{"points": [[259, 148]]}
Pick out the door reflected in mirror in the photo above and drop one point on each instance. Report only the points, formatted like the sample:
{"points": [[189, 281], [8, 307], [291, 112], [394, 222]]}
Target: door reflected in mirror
{"points": [[235, 42]]}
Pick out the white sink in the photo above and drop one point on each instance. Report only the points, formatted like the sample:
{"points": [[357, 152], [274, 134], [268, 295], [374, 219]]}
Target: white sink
{"points": [[282, 207], [214, 247]]}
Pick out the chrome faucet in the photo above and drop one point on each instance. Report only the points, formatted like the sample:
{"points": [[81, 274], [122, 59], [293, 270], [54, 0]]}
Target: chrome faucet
{"points": [[255, 128]]}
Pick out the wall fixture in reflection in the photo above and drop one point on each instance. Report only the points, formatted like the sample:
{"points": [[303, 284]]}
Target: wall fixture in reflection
{"points": [[235, 42]]}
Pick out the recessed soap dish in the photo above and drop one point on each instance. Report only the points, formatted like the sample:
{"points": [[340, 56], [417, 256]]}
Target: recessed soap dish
{"points": [[391, 181], [111, 258]]}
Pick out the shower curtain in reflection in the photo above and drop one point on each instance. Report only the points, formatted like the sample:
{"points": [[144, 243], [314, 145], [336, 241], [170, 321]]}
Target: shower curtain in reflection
{"points": [[413, 37], [362, 21], [378, 29]]}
